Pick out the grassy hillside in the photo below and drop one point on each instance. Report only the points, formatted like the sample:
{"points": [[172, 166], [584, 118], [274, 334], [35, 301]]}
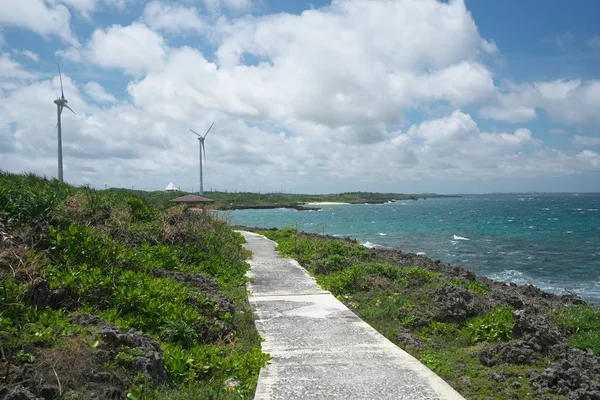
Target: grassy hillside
{"points": [[487, 339], [109, 294]]}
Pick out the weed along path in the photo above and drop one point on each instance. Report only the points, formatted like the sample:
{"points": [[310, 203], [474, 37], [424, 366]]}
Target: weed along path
{"points": [[319, 348]]}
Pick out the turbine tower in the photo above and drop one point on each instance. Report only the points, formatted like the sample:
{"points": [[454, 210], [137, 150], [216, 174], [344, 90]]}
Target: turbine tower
{"points": [[61, 103], [202, 149]]}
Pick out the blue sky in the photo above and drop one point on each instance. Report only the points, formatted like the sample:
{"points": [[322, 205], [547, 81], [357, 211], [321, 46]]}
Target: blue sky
{"points": [[407, 95]]}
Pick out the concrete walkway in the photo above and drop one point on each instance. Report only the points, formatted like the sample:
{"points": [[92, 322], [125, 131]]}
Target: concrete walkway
{"points": [[319, 348]]}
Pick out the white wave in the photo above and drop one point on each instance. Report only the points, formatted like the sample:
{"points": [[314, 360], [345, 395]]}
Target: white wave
{"points": [[569, 232], [512, 275], [454, 241], [592, 209], [382, 234], [420, 253], [370, 245], [456, 237], [547, 209], [587, 290]]}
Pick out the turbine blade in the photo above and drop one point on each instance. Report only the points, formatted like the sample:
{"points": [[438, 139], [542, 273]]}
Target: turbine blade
{"points": [[204, 151], [70, 109], [61, 85], [195, 133], [211, 125]]}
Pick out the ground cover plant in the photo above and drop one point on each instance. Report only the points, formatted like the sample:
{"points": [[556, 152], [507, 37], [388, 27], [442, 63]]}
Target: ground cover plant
{"points": [[487, 339], [105, 294]]}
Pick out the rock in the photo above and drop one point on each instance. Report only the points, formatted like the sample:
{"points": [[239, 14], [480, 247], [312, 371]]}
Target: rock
{"points": [[508, 353], [38, 293], [407, 339], [60, 298], [150, 363], [535, 330], [49, 392], [565, 378], [17, 393], [100, 376], [453, 304], [497, 377], [112, 393]]}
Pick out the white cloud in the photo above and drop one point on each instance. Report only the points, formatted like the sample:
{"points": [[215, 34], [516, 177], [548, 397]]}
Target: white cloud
{"points": [[84, 7], [564, 40], [594, 42], [12, 73], [173, 18], [31, 55], [239, 5], [36, 15], [332, 65], [456, 127], [590, 157], [567, 101], [359, 104], [97, 92], [134, 48], [506, 114], [586, 140]]}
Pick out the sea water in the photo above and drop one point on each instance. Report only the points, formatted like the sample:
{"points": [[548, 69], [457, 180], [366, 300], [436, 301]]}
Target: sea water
{"points": [[551, 241]]}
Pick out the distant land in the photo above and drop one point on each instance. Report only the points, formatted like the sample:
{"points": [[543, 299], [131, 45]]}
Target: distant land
{"points": [[248, 200]]}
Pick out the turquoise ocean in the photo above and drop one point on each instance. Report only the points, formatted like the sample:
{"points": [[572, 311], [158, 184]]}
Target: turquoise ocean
{"points": [[551, 241]]}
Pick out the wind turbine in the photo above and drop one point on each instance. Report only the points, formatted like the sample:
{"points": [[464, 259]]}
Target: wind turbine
{"points": [[61, 103], [202, 149]]}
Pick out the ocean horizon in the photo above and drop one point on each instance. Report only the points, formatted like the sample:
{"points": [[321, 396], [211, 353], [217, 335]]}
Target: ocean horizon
{"points": [[550, 240]]}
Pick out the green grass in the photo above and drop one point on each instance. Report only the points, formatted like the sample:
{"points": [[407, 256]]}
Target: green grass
{"points": [[582, 325], [102, 250]]}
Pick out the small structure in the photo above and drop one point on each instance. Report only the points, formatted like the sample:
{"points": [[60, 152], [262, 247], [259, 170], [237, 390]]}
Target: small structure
{"points": [[171, 188], [192, 199]]}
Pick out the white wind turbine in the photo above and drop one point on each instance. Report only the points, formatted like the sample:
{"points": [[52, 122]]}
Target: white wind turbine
{"points": [[61, 103], [202, 149]]}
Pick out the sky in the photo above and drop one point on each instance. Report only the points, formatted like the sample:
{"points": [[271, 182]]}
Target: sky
{"points": [[409, 96]]}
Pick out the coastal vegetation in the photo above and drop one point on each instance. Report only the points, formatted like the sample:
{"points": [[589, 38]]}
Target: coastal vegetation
{"points": [[234, 200], [487, 339], [114, 294]]}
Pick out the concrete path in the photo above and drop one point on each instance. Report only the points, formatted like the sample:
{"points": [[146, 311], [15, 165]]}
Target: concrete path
{"points": [[319, 348]]}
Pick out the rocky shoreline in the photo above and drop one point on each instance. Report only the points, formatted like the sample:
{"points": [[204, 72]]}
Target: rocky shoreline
{"points": [[535, 338]]}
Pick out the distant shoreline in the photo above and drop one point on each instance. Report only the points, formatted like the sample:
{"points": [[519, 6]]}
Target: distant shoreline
{"points": [[314, 205]]}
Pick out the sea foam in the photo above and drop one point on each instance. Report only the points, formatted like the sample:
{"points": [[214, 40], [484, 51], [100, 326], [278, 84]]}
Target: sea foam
{"points": [[370, 245], [456, 237]]}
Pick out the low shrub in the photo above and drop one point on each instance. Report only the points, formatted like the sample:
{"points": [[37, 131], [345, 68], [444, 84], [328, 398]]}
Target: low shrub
{"points": [[344, 282], [495, 326]]}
